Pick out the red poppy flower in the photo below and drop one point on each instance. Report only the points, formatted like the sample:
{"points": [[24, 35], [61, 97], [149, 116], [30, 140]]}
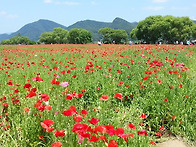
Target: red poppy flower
{"points": [[10, 83], [119, 71], [159, 81], [44, 97], [48, 122], [5, 104], [93, 139], [83, 90], [57, 144], [158, 134], [104, 97], [142, 132], [111, 132], [131, 126], [79, 95], [143, 116], [145, 78], [103, 138], [180, 85], [84, 112], [162, 128], [152, 142], [170, 87], [112, 143], [78, 118], [31, 94], [27, 85], [74, 76], [119, 132], [79, 128], [93, 121], [118, 96], [60, 133], [101, 129], [70, 111], [37, 79]]}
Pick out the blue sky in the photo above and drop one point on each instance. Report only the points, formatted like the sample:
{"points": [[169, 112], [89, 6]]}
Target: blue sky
{"points": [[14, 14]]}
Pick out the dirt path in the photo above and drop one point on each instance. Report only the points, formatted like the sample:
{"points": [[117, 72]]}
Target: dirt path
{"points": [[173, 143]]}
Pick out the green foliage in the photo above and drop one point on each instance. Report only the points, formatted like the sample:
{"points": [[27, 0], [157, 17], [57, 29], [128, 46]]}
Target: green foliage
{"points": [[79, 36], [17, 40], [58, 36], [111, 36], [167, 29]]}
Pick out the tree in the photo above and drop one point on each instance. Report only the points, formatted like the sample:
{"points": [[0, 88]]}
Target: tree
{"points": [[119, 36], [79, 36], [18, 39], [6, 42], [57, 36], [60, 35], [106, 33], [167, 29], [46, 37], [111, 35]]}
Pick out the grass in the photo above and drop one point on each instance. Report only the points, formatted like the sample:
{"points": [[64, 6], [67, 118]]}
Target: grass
{"points": [[156, 81]]}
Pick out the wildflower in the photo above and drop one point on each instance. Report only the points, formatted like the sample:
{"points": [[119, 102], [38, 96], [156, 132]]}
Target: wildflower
{"points": [[93, 121], [64, 84], [142, 132], [143, 116], [104, 97], [162, 128], [159, 81], [145, 78], [37, 79], [158, 134], [131, 126], [70, 111], [57, 144], [112, 143], [152, 142], [60, 133], [103, 138], [118, 96], [5, 104], [93, 139], [79, 128], [119, 132]]}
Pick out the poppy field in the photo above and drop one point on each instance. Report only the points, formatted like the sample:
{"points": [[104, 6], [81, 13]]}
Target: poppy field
{"points": [[90, 95]]}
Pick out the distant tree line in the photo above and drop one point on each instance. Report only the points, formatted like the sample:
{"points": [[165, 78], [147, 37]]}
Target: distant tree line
{"points": [[167, 29], [18, 39], [153, 29]]}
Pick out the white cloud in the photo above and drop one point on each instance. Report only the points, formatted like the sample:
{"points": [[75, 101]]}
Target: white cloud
{"points": [[94, 3], [69, 3], [160, 1], [180, 8], [6, 15], [157, 8], [47, 1]]}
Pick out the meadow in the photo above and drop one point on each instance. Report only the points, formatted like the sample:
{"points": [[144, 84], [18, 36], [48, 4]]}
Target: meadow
{"points": [[90, 95]]}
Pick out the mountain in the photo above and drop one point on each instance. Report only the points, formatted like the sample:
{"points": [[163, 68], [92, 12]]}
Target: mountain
{"points": [[35, 29], [90, 25], [94, 26], [119, 23]]}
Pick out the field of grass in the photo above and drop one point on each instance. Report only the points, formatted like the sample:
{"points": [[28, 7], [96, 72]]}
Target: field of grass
{"points": [[89, 95]]}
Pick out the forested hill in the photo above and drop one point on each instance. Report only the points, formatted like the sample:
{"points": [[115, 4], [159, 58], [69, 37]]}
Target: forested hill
{"points": [[34, 30]]}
